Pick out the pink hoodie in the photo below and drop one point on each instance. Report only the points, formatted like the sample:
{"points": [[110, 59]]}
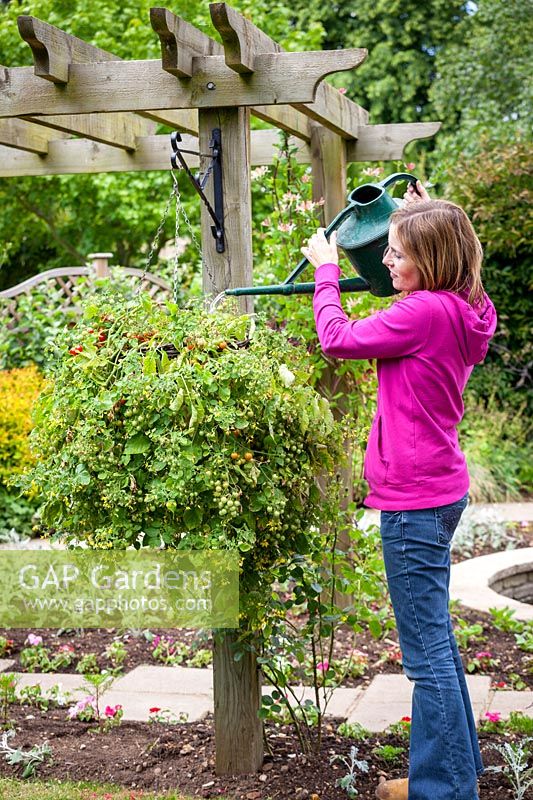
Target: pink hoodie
{"points": [[426, 345]]}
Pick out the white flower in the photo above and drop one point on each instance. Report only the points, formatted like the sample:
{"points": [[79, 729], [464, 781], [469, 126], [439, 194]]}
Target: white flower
{"points": [[287, 377]]}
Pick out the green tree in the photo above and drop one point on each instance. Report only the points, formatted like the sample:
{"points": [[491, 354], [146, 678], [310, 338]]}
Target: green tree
{"points": [[483, 80], [403, 38]]}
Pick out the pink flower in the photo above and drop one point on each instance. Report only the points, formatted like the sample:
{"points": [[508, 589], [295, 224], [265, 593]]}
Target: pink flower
{"points": [[33, 640], [493, 716], [258, 173], [342, 90], [323, 666], [484, 654], [410, 166], [265, 222], [81, 705], [306, 205], [111, 711], [374, 171], [66, 648], [307, 179], [286, 227]]}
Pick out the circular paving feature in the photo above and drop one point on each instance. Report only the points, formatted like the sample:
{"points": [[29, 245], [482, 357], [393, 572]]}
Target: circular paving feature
{"points": [[498, 580]]}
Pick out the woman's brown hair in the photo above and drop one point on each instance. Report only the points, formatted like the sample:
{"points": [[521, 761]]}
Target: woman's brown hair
{"points": [[440, 239]]}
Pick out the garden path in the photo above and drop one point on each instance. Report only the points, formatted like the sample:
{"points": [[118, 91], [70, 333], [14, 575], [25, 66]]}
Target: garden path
{"points": [[188, 690]]}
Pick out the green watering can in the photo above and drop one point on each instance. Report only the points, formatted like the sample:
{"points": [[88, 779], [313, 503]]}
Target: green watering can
{"points": [[363, 228]]}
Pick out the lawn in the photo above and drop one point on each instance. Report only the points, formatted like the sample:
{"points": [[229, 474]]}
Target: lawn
{"points": [[65, 790]]}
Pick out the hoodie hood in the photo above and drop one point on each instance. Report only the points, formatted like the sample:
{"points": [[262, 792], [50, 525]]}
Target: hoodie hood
{"points": [[473, 326]]}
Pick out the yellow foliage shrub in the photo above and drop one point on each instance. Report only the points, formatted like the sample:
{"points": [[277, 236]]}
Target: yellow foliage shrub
{"points": [[19, 389]]}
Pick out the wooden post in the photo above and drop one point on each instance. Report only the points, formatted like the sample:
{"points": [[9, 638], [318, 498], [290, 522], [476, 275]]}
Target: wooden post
{"points": [[101, 264], [328, 164], [233, 267], [237, 699], [236, 684]]}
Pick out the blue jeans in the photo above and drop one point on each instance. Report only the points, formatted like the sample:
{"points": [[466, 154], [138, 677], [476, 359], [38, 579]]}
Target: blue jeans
{"points": [[444, 757]]}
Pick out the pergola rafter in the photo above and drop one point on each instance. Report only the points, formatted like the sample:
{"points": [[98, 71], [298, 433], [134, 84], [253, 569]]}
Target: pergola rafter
{"points": [[81, 109]]}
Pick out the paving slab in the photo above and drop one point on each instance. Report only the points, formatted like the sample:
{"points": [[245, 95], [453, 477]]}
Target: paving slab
{"points": [[388, 699], [505, 702], [68, 682], [5, 663], [136, 705], [154, 681], [505, 512]]}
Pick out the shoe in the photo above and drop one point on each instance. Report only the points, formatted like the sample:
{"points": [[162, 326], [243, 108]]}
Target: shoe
{"points": [[392, 790]]}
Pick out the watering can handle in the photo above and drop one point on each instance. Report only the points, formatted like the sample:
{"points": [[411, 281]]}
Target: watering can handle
{"points": [[333, 225], [398, 176]]}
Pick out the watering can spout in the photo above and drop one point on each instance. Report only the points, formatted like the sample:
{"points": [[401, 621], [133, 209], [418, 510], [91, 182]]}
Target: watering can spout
{"points": [[362, 233]]}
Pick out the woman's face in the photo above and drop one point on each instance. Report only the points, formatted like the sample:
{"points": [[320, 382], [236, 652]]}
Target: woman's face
{"points": [[404, 272]]}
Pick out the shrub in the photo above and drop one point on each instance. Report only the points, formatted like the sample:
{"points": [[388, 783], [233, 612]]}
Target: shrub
{"points": [[19, 389], [497, 444]]}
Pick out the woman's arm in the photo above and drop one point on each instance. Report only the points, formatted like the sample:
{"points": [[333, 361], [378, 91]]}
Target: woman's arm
{"points": [[401, 330]]}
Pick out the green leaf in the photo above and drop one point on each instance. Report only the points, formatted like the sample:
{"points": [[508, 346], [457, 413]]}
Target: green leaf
{"points": [[193, 518], [177, 403], [150, 363], [82, 475], [375, 628], [140, 443], [164, 365]]}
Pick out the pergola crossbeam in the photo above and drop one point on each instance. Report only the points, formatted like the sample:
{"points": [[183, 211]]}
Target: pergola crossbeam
{"points": [[18, 133], [241, 38], [180, 42], [75, 156], [117, 130], [243, 42], [143, 86], [387, 142], [78, 156], [54, 51]]}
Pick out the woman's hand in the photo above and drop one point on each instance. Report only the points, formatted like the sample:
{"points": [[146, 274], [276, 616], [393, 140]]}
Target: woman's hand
{"points": [[320, 251], [418, 195]]}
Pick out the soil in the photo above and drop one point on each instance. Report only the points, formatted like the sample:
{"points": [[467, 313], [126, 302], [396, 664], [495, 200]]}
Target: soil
{"points": [[156, 757]]}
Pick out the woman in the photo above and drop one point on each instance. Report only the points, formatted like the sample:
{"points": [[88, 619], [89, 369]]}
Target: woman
{"points": [[426, 345]]}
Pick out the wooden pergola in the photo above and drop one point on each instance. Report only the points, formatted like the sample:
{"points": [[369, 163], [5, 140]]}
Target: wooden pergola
{"points": [[81, 109]]}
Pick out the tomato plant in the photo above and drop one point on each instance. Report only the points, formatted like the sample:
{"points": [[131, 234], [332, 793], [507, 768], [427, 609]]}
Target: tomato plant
{"points": [[217, 446]]}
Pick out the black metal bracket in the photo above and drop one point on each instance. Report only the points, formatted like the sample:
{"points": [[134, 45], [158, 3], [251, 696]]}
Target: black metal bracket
{"points": [[200, 181]]}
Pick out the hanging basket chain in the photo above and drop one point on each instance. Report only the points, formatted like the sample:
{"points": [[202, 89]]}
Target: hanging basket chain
{"points": [[180, 213], [155, 240]]}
